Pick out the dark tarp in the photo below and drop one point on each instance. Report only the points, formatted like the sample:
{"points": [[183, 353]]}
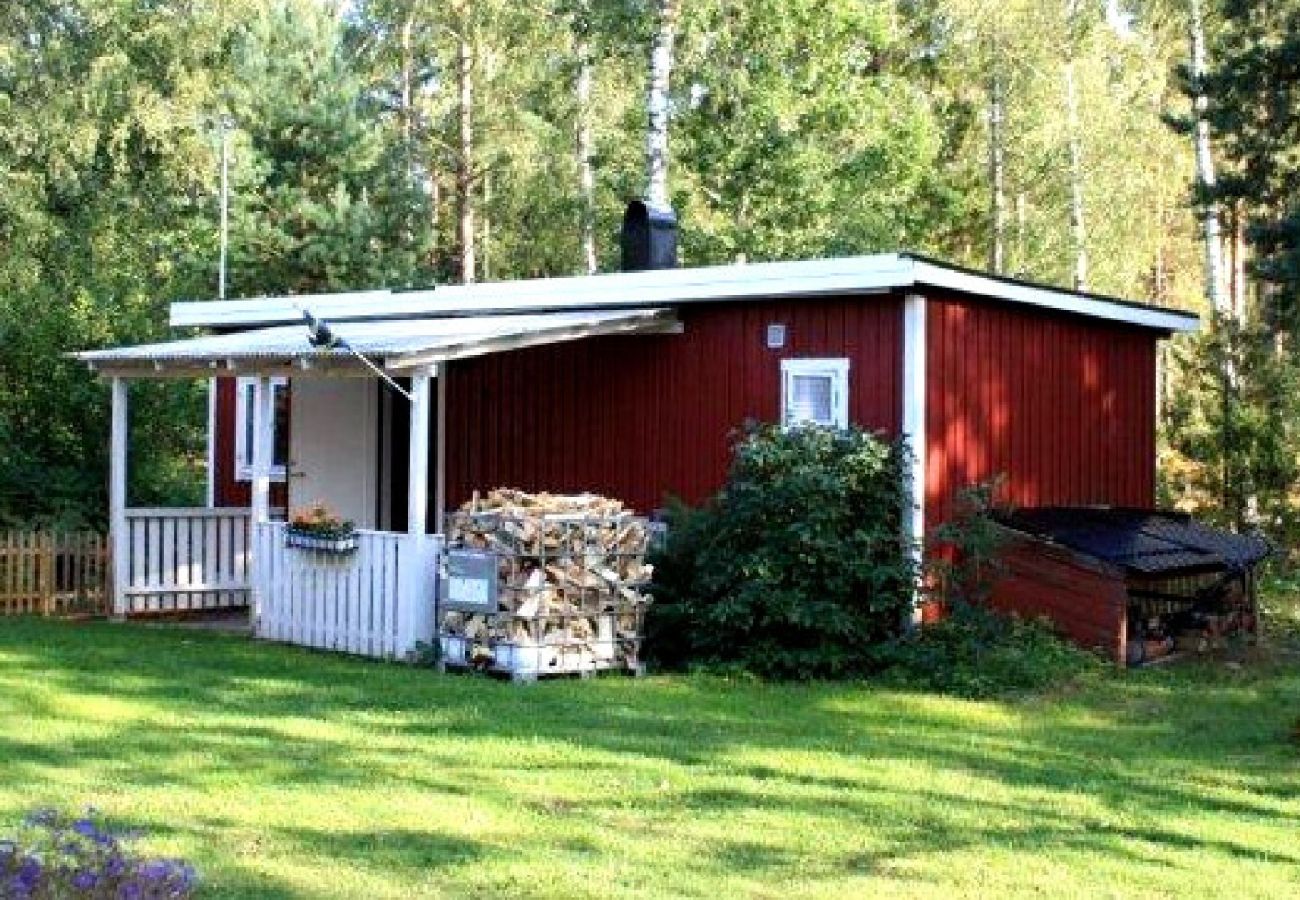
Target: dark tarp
{"points": [[1142, 542]]}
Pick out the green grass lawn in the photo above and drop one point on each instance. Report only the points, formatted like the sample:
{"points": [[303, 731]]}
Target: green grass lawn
{"points": [[286, 773]]}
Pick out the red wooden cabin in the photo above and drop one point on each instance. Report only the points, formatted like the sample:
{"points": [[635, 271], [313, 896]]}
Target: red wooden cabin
{"points": [[631, 385]]}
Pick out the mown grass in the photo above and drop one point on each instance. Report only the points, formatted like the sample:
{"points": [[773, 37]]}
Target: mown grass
{"points": [[285, 773]]}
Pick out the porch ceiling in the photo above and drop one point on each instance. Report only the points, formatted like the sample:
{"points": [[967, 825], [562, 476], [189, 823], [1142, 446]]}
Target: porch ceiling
{"points": [[397, 346]]}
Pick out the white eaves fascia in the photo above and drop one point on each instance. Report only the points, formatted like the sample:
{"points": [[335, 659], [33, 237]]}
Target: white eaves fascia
{"points": [[672, 287], [616, 289]]}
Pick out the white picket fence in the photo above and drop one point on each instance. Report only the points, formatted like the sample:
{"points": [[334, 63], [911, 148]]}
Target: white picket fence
{"points": [[374, 601], [177, 560]]}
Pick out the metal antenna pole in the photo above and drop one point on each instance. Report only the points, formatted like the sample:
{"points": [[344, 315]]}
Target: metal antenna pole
{"points": [[224, 125]]}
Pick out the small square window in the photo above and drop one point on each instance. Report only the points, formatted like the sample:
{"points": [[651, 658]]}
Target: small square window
{"points": [[245, 388], [815, 392]]}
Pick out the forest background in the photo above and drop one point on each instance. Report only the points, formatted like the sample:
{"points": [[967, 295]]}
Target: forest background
{"points": [[1143, 148]]}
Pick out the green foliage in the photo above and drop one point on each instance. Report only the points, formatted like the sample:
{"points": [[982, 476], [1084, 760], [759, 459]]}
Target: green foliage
{"points": [[797, 569], [976, 652], [962, 557], [789, 109], [322, 200], [1232, 429], [1253, 94]]}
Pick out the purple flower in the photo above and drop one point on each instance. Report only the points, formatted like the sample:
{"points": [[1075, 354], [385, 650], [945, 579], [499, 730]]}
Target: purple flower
{"points": [[84, 881], [157, 870], [85, 828], [15, 889], [130, 891], [114, 866], [29, 871]]}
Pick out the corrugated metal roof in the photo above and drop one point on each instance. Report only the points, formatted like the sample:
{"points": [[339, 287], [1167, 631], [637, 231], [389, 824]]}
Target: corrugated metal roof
{"points": [[400, 343], [1144, 542], [853, 275]]}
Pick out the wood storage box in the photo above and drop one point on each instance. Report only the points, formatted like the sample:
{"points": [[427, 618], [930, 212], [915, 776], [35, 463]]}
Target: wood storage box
{"points": [[570, 587]]}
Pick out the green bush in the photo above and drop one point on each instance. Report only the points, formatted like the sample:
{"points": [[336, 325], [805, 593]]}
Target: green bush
{"points": [[976, 652], [797, 569]]}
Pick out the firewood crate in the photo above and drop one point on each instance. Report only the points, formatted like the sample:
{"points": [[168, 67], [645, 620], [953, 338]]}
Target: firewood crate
{"points": [[570, 588]]}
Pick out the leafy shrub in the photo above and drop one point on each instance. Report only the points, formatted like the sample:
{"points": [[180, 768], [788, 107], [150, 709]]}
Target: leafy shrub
{"points": [[797, 568], [976, 652], [57, 855], [963, 555]]}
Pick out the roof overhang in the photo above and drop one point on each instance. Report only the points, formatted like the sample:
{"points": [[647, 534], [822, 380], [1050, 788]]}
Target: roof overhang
{"points": [[399, 347], [856, 275]]}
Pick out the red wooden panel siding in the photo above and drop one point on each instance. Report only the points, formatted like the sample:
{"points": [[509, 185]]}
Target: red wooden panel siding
{"points": [[1062, 405], [1086, 600], [229, 491], [640, 418]]}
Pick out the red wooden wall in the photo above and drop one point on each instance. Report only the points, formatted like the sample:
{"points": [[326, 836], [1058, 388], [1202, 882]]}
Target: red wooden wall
{"points": [[1085, 599], [1063, 405], [639, 418]]}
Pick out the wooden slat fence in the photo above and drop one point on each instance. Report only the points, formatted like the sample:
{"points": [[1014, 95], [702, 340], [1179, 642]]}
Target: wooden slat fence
{"points": [[53, 573], [376, 601], [182, 559]]}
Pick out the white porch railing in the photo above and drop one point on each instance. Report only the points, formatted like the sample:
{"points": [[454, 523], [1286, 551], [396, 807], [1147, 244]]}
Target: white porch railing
{"points": [[174, 560], [375, 601]]}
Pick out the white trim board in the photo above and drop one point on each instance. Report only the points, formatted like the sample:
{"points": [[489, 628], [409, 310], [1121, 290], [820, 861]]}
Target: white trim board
{"points": [[859, 275]]}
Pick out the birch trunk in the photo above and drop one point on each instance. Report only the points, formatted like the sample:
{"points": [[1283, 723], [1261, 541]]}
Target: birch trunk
{"points": [[661, 65], [465, 157], [1239, 263], [407, 113], [1078, 222], [582, 88], [1022, 234], [487, 227], [1205, 177], [997, 179]]}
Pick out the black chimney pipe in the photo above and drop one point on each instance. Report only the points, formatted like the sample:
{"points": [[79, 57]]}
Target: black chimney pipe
{"points": [[649, 238]]}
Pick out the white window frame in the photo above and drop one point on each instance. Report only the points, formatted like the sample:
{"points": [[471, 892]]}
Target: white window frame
{"points": [[243, 440], [835, 369]]}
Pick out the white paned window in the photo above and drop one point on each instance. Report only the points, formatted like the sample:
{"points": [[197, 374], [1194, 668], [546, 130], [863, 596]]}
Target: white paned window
{"points": [[244, 390], [815, 392]]}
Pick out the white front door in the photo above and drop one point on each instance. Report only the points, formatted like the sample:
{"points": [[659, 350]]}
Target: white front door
{"points": [[333, 446]]}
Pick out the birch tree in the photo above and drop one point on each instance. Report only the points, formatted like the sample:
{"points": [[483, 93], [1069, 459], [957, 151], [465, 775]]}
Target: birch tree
{"points": [[1074, 144], [658, 104], [465, 166], [1206, 182]]}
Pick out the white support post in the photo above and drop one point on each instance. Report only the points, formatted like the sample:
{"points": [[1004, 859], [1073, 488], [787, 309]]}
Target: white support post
{"points": [[914, 366], [263, 449], [117, 463], [210, 494], [417, 499], [415, 605], [440, 452]]}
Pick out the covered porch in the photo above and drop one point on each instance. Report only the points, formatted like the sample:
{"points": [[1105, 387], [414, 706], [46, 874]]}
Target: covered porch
{"points": [[378, 599]]}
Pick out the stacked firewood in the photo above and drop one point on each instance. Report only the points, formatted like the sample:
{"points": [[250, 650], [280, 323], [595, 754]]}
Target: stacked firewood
{"points": [[572, 580]]}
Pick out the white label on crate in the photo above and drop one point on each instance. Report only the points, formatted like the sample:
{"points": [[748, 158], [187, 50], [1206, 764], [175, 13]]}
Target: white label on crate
{"points": [[468, 591]]}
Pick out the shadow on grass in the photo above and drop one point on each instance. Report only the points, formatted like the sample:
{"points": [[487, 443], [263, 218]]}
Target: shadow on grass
{"points": [[1148, 747]]}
